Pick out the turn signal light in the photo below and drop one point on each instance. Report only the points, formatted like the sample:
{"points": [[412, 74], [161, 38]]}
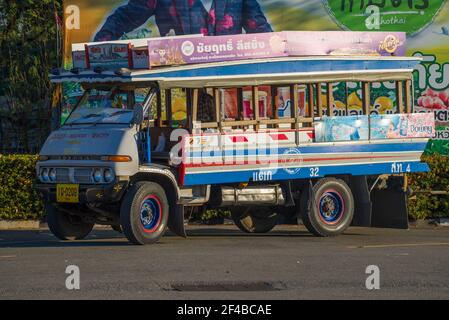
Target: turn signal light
{"points": [[117, 158]]}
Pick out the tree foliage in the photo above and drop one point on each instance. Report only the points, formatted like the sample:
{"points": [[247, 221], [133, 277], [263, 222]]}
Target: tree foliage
{"points": [[29, 47]]}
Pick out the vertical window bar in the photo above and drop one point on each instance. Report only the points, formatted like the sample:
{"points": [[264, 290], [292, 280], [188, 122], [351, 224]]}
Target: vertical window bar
{"points": [[240, 104], [408, 96], [346, 99], [366, 104], [329, 98], [294, 109], [319, 100], [194, 109], [218, 109], [159, 108], [274, 105], [310, 112], [168, 107], [255, 96], [189, 108], [400, 96]]}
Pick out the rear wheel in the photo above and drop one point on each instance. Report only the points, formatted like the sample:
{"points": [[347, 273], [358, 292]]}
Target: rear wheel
{"points": [[66, 226], [254, 220], [144, 213], [328, 209]]}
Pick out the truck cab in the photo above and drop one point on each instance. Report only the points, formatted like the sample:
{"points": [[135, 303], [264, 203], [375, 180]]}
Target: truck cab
{"points": [[86, 167]]}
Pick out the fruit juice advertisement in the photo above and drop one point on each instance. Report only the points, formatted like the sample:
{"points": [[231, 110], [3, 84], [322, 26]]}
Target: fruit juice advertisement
{"points": [[426, 23], [347, 98]]}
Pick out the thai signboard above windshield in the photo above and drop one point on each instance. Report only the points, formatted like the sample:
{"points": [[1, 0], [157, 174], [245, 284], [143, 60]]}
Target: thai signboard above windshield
{"points": [[164, 52]]}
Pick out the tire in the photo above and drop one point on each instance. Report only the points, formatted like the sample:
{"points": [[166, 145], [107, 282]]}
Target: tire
{"points": [[329, 209], [65, 226], [144, 213], [254, 220]]}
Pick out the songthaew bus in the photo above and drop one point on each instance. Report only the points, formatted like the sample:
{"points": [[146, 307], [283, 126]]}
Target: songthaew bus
{"points": [[261, 137]]}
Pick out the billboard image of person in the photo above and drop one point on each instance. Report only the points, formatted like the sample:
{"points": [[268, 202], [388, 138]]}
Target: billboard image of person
{"points": [[181, 17]]}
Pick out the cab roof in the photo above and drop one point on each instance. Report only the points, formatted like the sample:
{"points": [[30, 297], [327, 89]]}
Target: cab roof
{"points": [[270, 71]]}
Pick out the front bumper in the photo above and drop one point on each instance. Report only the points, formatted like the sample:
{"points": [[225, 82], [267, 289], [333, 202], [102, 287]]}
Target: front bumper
{"points": [[109, 193]]}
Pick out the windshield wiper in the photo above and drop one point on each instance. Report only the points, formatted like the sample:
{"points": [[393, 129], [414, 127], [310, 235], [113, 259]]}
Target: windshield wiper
{"points": [[119, 112], [89, 116], [92, 115]]}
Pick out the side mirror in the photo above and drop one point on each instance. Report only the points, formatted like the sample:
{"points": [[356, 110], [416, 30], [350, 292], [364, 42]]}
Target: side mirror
{"points": [[138, 114]]}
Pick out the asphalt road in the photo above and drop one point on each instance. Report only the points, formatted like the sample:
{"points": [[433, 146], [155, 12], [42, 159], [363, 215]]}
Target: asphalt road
{"points": [[223, 263]]}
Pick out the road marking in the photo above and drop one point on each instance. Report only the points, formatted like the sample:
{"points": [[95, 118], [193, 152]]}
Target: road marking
{"points": [[7, 257], [401, 245]]}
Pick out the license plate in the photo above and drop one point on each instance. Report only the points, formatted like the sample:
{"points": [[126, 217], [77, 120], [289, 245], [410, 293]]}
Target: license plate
{"points": [[67, 193]]}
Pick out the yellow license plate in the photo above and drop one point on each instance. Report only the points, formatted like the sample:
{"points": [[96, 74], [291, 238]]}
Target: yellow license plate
{"points": [[67, 193]]}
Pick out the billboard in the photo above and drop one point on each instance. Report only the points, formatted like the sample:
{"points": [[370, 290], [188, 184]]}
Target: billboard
{"points": [[426, 23]]}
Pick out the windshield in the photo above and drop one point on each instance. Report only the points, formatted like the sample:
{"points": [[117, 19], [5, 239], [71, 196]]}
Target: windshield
{"points": [[102, 107]]}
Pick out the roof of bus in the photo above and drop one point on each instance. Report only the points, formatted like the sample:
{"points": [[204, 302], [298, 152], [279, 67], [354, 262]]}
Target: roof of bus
{"points": [[270, 71]]}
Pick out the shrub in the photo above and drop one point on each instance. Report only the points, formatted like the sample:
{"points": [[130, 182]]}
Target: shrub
{"points": [[423, 204], [213, 216], [18, 199]]}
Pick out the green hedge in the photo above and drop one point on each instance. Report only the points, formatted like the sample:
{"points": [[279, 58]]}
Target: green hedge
{"points": [[424, 205], [18, 199]]}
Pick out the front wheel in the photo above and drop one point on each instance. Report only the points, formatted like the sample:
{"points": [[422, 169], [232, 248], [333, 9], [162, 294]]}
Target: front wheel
{"points": [[327, 208], [65, 226], [254, 219], [144, 213]]}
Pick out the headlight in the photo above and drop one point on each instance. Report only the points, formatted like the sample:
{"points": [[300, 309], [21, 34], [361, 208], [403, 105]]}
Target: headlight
{"points": [[108, 175], [52, 175], [98, 175], [44, 175]]}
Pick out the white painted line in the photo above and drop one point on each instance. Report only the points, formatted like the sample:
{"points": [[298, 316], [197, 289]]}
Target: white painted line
{"points": [[399, 245]]}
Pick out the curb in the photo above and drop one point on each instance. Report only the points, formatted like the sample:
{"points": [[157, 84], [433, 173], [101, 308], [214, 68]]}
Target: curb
{"points": [[19, 225], [430, 223]]}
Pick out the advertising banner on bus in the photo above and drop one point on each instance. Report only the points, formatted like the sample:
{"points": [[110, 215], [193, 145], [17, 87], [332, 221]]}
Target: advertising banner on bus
{"points": [[425, 22], [178, 51]]}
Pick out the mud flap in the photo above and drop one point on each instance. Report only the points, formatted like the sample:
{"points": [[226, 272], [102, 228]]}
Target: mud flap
{"points": [[176, 220], [384, 208], [362, 201], [390, 205]]}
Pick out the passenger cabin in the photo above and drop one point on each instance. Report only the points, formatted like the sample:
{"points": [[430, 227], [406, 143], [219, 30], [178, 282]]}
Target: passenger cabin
{"points": [[220, 98]]}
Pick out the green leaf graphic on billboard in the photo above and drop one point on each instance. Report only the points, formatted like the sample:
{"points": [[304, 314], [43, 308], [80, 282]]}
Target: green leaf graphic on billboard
{"points": [[410, 16]]}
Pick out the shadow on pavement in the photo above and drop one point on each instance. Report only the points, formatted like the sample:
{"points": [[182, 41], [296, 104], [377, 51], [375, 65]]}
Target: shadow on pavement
{"points": [[39, 239], [104, 238], [218, 232]]}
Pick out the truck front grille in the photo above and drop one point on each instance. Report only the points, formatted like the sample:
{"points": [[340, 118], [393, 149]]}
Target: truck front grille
{"points": [[79, 175], [62, 175], [82, 175]]}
